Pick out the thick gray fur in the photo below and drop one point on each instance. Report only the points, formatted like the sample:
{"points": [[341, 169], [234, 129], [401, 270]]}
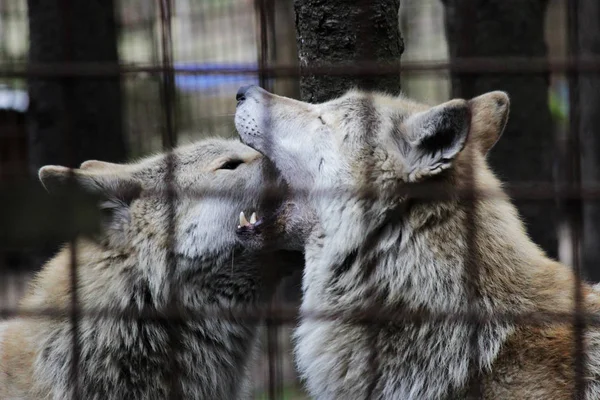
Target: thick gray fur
{"points": [[129, 268]]}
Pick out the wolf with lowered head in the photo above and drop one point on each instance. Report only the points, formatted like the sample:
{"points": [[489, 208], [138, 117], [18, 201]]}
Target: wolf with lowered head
{"points": [[167, 244]]}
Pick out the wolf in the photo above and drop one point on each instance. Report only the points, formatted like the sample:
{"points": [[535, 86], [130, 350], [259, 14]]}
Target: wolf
{"points": [[411, 222], [142, 264]]}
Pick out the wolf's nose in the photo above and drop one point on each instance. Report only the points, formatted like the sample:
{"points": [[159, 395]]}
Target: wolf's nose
{"points": [[241, 93]]}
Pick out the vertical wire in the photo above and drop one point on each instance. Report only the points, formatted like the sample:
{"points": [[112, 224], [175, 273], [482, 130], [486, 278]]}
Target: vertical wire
{"points": [[265, 12], [574, 203], [67, 33], [468, 12], [169, 141]]}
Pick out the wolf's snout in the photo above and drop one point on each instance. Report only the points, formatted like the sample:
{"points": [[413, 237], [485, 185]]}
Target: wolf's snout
{"points": [[241, 93], [249, 91], [246, 91]]}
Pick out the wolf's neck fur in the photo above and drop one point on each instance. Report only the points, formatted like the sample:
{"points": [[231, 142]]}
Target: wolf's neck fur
{"points": [[419, 262], [124, 358]]}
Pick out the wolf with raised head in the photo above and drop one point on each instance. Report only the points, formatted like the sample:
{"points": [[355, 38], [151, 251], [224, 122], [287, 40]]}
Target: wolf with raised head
{"points": [[410, 220], [163, 247]]}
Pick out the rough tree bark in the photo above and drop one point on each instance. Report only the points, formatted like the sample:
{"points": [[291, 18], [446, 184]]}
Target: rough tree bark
{"points": [[337, 32], [73, 119], [511, 28], [589, 126], [79, 113], [285, 50], [341, 31]]}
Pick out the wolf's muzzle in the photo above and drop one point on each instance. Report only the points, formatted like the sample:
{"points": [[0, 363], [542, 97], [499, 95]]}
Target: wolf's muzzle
{"points": [[240, 96]]}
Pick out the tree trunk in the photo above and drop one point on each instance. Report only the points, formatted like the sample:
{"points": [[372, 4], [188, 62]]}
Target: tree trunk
{"points": [[77, 118], [341, 31], [525, 153], [336, 32], [73, 119], [589, 126], [284, 44]]}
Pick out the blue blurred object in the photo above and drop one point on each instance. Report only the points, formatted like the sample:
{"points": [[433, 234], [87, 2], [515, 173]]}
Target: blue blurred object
{"points": [[204, 78], [13, 99]]}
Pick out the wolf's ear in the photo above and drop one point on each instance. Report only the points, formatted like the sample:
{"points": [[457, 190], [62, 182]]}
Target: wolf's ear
{"points": [[97, 182], [435, 137], [113, 192], [98, 165], [489, 114]]}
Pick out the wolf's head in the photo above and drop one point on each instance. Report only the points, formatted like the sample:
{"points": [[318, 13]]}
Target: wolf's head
{"points": [[188, 202], [365, 139]]}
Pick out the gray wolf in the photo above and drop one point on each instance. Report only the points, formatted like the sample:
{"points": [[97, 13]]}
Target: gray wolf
{"points": [[409, 219], [126, 269]]}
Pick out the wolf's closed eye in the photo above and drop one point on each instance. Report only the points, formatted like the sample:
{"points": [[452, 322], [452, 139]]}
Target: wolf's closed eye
{"points": [[231, 164]]}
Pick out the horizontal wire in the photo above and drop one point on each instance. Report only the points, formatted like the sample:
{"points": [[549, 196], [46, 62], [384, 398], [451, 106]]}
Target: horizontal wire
{"points": [[290, 314], [491, 65]]}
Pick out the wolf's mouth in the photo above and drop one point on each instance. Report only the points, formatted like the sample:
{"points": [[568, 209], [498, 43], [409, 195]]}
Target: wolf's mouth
{"points": [[254, 222], [254, 227]]}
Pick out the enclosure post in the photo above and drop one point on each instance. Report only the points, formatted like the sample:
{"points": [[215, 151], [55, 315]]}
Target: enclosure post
{"points": [[511, 28], [96, 109], [589, 120]]}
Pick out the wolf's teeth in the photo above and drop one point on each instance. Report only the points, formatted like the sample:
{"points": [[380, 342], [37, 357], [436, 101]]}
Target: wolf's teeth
{"points": [[253, 218], [243, 220]]}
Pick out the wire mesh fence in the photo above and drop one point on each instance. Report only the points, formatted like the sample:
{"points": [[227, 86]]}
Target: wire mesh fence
{"points": [[179, 66]]}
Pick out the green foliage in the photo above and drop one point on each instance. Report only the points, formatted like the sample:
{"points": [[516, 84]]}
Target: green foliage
{"points": [[558, 107]]}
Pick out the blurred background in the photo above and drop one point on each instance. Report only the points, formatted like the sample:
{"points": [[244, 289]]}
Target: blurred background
{"points": [[152, 74]]}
